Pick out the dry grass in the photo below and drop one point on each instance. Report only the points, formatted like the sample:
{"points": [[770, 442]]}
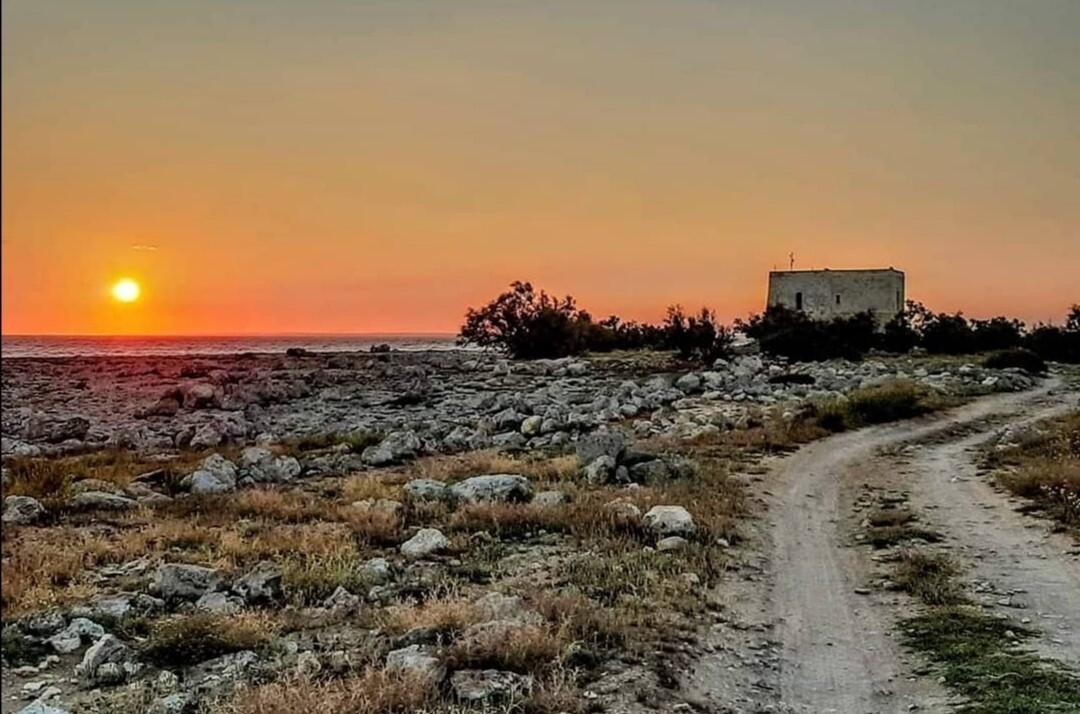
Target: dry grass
{"points": [[890, 517], [929, 577], [526, 649], [374, 486], [1046, 470], [447, 615], [49, 479], [555, 469], [372, 691], [189, 639], [874, 405]]}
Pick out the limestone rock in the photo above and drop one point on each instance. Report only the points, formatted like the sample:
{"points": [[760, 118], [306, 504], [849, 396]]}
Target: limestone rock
{"points": [[22, 510], [78, 631], [396, 447], [416, 661], [108, 661], [178, 581], [429, 541], [669, 521], [263, 585], [263, 466], [219, 603], [493, 488], [102, 501], [601, 443], [426, 490], [474, 685]]}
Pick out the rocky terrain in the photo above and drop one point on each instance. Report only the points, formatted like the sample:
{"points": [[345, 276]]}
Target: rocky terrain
{"points": [[394, 532], [450, 401]]}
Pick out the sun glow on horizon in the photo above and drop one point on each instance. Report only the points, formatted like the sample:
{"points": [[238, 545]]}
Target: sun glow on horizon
{"points": [[126, 290]]}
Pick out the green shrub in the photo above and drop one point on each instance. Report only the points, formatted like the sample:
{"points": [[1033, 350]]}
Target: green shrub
{"points": [[875, 405]]}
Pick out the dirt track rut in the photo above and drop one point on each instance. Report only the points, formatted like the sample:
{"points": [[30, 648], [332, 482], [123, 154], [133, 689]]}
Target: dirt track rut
{"points": [[817, 642]]}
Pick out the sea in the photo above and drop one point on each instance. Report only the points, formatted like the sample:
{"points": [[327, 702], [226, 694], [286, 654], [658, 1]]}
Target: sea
{"points": [[36, 346]]}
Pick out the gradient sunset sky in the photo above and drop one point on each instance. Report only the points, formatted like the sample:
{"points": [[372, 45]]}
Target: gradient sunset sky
{"points": [[338, 167]]}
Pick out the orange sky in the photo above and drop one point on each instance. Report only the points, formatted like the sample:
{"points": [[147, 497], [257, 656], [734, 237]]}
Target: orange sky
{"points": [[378, 167]]}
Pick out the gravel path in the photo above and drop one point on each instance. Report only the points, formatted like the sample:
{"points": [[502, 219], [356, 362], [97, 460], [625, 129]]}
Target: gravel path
{"points": [[805, 634]]}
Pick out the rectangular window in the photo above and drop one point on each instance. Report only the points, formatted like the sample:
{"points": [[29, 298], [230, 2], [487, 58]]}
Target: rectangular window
{"points": [[837, 299], [798, 301]]}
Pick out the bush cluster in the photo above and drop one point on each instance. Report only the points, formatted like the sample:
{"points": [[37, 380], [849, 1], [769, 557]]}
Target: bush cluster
{"points": [[528, 324], [793, 334]]}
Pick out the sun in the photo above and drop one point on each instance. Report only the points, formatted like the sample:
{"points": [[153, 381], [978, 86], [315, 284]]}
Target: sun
{"points": [[127, 290]]}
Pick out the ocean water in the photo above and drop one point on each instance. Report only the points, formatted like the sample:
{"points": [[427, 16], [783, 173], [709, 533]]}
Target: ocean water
{"points": [[13, 347]]}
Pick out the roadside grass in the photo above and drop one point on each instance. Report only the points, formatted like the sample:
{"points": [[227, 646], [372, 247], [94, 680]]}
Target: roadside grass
{"points": [[875, 405], [893, 535], [980, 658], [929, 577], [1045, 469]]}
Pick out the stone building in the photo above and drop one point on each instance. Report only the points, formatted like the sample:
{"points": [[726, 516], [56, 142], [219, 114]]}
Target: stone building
{"points": [[824, 294]]}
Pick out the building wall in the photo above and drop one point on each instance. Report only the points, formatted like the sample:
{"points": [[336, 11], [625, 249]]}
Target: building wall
{"points": [[835, 293]]}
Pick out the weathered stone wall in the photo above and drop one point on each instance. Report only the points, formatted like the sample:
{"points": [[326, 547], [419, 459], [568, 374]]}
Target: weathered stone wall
{"points": [[833, 293]]}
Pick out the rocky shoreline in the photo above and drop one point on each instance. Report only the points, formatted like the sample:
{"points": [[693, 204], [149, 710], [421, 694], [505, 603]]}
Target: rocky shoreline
{"points": [[448, 401]]}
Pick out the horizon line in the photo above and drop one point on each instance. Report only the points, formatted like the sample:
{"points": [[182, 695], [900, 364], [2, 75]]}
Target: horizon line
{"points": [[211, 335]]}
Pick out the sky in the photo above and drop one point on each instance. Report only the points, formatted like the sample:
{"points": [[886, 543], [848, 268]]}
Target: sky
{"points": [[332, 166]]}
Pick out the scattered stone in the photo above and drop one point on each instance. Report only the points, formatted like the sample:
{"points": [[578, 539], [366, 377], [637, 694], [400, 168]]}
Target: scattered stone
{"points": [[672, 543], [494, 488], [261, 586], [396, 447], [108, 661], [602, 443], [600, 470], [219, 603], [80, 630], [22, 510], [416, 661], [551, 498], [669, 520], [473, 685], [261, 465], [178, 581], [429, 541], [102, 501], [427, 490]]}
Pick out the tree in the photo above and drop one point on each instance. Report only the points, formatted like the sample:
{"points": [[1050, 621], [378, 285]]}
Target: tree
{"points": [[526, 324], [699, 336]]}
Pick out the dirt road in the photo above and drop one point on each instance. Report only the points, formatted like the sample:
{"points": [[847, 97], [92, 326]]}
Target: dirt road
{"points": [[807, 634]]}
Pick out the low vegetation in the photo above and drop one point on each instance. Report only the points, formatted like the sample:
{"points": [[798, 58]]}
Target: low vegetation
{"points": [[185, 640], [526, 324], [929, 577], [980, 656], [875, 405], [1044, 467]]}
